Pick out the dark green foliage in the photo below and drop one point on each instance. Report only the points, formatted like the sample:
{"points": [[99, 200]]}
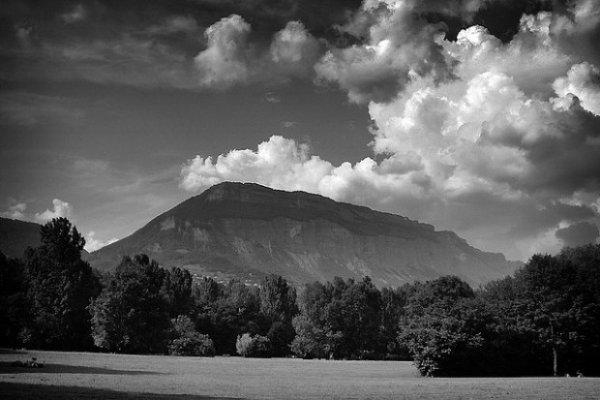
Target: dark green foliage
{"points": [[278, 307], [132, 313], [248, 345], [186, 341], [341, 319], [544, 321], [438, 330], [13, 301], [226, 311], [309, 341], [177, 287], [60, 286], [393, 302]]}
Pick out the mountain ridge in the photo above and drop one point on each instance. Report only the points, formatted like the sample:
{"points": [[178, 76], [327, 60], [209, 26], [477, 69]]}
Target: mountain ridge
{"points": [[17, 235], [247, 230]]}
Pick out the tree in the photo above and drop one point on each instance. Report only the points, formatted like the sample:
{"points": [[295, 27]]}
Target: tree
{"points": [[13, 301], [584, 352], [177, 288], [549, 290], [253, 346], [226, 311], [278, 306], [438, 329], [132, 315], [61, 286], [393, 302]]}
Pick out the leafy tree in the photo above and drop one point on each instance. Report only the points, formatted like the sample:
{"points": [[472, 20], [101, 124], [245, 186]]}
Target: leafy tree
{"points": [[549, 290], [310, 340], [13, 301], [132, 315], [253, 346], [61, 285], [177, 288], [226, 311], [343, 317], [437, 329], [278, 306], [393, 302], [584, 348]]}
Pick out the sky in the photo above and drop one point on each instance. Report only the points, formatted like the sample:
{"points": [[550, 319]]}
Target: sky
{"points": [[477, 116]]}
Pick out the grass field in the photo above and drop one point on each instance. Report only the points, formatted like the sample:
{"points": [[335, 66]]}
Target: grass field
{"points": [[110, 376]]}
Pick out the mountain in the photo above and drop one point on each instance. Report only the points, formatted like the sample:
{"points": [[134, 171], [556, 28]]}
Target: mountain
{"points": [[16, 236], [246, 230]]}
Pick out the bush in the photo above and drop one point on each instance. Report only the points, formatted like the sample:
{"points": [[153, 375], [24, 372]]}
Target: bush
{"points": [[253, 346], [186, 341], [196, 344]]}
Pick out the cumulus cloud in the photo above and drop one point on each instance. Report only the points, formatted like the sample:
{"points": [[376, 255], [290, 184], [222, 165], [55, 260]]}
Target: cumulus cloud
{"points": [[498, 140], [232, 58], [16, 210], [399, 45], [582, 81], [294, 50], [60, 209], [282, 163], [225, 60], [93, 244]]}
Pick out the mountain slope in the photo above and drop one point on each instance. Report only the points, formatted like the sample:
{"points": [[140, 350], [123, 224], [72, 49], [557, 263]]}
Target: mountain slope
{"points": [[247, 230], [16, 236]]}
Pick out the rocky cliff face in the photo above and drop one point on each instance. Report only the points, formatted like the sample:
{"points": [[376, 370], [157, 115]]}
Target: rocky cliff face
{"points": [[247, 230]]}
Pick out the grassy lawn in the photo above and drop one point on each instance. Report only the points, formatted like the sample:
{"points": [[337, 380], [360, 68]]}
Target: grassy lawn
{"points": [[110, 376]]}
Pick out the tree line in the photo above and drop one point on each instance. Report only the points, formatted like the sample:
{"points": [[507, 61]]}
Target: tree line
{"points": [[544, 320]]}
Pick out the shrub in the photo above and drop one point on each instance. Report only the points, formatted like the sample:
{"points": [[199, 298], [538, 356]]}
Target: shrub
{"points": [[196, 344], [186, 341], [253, 346]]}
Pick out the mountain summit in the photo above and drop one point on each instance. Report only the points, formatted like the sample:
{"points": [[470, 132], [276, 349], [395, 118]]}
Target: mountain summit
{"points": [[246, 230]]}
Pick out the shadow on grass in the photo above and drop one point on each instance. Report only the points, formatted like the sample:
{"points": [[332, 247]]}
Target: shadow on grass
{"points": [[21, 391], [9, 368]]}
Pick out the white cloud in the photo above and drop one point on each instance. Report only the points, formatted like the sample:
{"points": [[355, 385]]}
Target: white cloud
{"points": [[231, 58], [16, 210], [225, 60], [294, 50], [583, 81], [284, 164], [474, 135], [93, 244], [60, 209], [400, 45]]}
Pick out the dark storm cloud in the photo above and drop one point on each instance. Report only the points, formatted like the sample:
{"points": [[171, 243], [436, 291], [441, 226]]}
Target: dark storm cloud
{"points": [[578, 234]]}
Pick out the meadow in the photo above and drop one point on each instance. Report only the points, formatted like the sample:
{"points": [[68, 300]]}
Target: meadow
{"points": [[71, 375]]}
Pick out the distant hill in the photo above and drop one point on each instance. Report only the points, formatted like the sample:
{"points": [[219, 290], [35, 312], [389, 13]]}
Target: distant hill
{"points": [[248, 230], [16, 236]]}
